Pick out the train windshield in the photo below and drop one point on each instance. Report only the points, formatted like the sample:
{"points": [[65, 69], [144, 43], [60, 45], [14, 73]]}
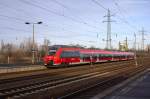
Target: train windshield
{"points": [[52, 52]]}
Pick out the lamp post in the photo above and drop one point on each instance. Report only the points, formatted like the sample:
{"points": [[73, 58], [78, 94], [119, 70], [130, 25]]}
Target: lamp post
{"points": [[33, 45]]}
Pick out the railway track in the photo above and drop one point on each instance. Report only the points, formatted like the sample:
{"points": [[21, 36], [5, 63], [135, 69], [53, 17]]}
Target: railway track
{"points": [[64, 88], [25, 89], [91, 91], [44, 74], [54, 69], [48, 83], [50, 72]]}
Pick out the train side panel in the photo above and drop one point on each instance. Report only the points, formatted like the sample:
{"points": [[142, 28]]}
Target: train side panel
{"points": [[75, 55]]}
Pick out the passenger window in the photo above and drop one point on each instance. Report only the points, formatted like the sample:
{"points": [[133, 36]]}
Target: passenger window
{"points": [[66, 54]]}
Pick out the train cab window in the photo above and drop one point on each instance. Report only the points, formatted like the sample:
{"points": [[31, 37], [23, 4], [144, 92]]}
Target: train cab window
{"points": [[52, 52]]}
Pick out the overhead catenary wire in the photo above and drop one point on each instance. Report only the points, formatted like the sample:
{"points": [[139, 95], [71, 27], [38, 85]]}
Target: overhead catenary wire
{"points": [[123, 19], [143, 38], [118, 7], [20, 19], [100, 5], [15, 29], [15, 9], [56, 13], [68, 8], [35, 5], [12, 17], [76, 18], [108, 41]]}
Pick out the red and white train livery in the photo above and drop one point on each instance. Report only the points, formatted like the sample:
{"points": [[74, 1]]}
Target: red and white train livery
{"points": [[68, 55]]}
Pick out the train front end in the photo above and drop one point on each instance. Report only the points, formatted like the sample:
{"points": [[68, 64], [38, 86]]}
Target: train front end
{"points": [[49, 59]]}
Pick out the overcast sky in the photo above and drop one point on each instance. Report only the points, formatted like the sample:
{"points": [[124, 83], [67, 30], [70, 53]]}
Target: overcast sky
{"points": [[74, 21]]}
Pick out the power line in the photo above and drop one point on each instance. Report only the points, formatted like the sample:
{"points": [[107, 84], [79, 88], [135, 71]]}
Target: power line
{"points": [[64, 6], [123, 19], [100, 5], [18, 10], [118, 7], [143, 33], [21, 20], [15, 9], [81, 34], [68, 8], [18, 19], [53, 12], [108, 41], [135, 42], [15, 18], [15, 29]]}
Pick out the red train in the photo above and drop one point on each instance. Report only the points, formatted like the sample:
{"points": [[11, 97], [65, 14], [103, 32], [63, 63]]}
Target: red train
{"points": [[59, 55]]}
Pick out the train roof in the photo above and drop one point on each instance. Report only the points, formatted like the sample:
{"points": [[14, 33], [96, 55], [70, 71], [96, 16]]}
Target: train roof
{"points": [[63, 46], [88, 51]]}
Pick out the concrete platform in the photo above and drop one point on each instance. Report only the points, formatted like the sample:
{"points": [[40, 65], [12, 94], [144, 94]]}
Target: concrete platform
{"points": [[137, 89], [20, 68]]}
